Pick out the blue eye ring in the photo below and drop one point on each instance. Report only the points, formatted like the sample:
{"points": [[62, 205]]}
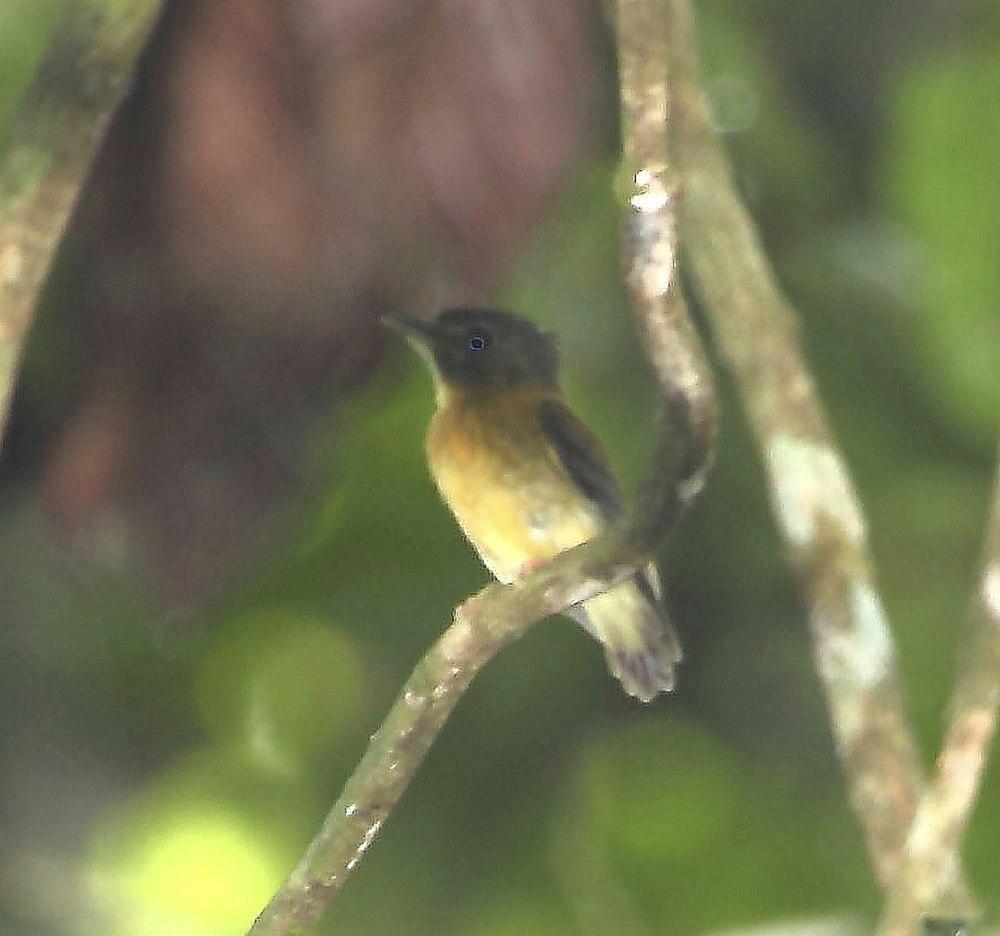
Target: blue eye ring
{"points": [[478, 341]]}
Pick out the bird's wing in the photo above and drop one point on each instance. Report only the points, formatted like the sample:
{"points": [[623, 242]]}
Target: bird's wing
{"points": [[583, 458], [579, 452]]}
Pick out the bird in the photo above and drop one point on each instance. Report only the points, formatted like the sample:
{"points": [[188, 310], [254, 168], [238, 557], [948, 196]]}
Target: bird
{"points": [[526, 479]]}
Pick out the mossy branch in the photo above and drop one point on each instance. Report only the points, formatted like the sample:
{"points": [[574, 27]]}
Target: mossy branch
{"points": [[482, 626], [500, 614], [55, 136], [817, 511]]}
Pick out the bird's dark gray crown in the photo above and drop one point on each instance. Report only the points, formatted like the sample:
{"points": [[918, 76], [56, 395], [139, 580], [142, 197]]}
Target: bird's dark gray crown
{"points": [[474, 346]]}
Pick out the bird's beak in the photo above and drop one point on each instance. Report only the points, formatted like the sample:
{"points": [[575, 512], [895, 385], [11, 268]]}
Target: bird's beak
{"points": [[413, 328]]}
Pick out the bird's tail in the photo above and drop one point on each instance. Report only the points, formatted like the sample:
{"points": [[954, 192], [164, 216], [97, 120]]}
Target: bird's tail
{"points": [[640, 643]]}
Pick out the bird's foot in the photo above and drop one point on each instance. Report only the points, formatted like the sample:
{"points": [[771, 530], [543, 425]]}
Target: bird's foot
{"points": [[532, 565]]}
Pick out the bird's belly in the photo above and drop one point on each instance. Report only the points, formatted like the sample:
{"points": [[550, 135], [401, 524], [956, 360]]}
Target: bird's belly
{"points": [[511, 532], [515, 509]]}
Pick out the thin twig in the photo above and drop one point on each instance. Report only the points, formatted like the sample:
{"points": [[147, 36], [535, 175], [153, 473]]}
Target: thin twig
{"points": [[55, 137], [933, 847], [483, 625], [498, 614], [817, 511]]}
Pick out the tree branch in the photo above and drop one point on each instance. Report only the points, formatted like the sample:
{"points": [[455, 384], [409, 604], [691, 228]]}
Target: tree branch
{"points": [[483, 625], [933, 848], [817, 511], [650, 235], [499, 614], [56, 134]]}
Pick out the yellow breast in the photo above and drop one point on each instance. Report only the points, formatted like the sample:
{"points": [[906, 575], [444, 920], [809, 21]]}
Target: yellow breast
{"points": [[503, 480]]}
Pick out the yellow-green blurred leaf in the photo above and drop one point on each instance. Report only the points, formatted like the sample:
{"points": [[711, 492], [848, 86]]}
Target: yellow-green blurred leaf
{"points": [[282, 684]]}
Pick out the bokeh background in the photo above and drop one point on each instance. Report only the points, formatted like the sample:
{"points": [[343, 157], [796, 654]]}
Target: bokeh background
{"points": [[220, 551]]}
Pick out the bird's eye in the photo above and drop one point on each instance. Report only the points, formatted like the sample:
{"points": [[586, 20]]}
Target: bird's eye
{"points": [[478, 341]]}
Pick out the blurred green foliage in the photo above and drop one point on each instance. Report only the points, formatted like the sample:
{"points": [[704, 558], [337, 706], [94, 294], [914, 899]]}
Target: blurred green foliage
{"points": [[941, 182], [25, 27], [172, 779]]}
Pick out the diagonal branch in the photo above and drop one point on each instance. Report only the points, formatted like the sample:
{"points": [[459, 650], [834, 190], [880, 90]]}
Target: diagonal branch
{"points": [[817, 511], [933, 847], [498, 614], [483, 625], [55, 136]]}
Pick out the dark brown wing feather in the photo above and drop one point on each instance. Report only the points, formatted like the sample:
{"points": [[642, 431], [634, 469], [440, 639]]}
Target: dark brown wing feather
{"points": [[582, 456], [584, 460]]}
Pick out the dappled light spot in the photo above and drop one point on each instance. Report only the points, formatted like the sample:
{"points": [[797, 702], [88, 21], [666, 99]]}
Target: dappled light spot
{"points": [[189, 875]]}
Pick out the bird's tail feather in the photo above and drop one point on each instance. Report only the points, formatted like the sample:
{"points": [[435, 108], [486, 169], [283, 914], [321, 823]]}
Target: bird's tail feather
{"points": [[640, 643]]}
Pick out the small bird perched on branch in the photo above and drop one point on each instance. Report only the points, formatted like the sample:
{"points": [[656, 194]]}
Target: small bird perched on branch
{"points": [[526, 479]]}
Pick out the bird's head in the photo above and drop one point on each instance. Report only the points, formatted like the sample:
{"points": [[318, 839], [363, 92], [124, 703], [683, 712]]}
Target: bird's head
{"points": [[483, 348]]}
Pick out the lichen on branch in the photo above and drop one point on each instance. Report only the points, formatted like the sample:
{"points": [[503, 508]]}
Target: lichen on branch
{"points": [[819, 517]]}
